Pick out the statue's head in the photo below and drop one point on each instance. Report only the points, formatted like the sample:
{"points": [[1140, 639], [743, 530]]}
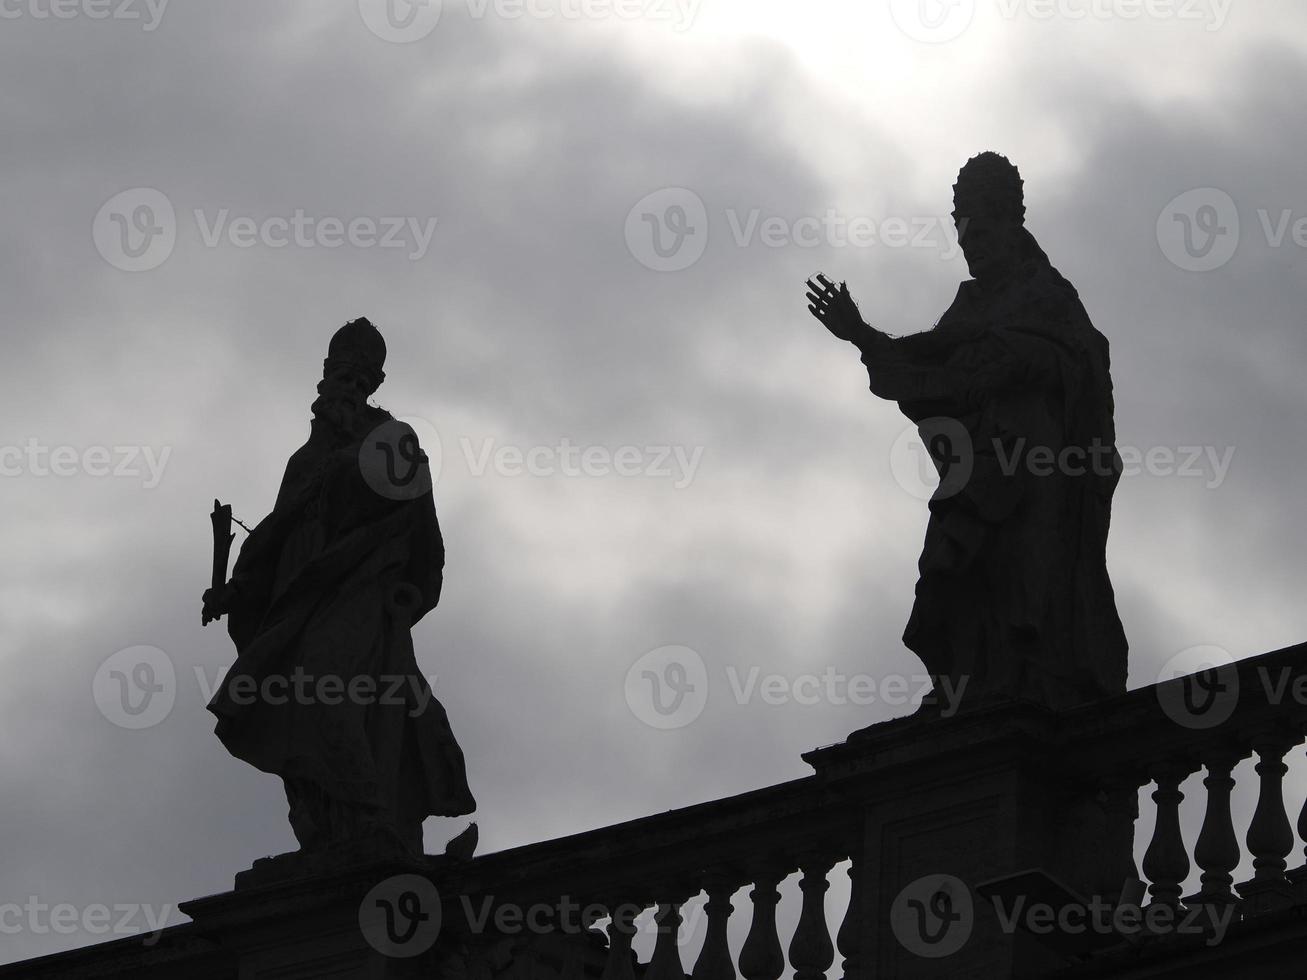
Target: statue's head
{"points": [[351, 372], [989, 212]]}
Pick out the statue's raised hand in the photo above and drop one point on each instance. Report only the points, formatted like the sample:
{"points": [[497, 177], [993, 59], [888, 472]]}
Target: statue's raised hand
{"points": [[834, 307]]}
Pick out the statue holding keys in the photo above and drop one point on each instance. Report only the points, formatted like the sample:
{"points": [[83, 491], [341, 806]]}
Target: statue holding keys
{"points": [[326, 692], [1012, 395]]}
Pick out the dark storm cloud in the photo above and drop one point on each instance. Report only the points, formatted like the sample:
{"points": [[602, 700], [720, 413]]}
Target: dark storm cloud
{"points": [[528, 321]]}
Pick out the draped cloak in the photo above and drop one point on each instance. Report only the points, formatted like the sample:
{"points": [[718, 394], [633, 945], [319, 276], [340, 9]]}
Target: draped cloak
{"points": [[319, 588], [1014, 594]]}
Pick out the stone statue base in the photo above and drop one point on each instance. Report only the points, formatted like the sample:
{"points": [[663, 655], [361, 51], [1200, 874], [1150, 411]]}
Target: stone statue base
{"points": [[298, 865], [325, 916]]}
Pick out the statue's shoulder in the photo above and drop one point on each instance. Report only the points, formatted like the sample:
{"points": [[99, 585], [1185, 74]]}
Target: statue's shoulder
{"points": [[1043, 280], [1050, 295], [374, 415]]}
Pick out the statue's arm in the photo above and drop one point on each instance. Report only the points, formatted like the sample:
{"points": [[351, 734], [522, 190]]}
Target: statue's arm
{"points": [[916, 368]]}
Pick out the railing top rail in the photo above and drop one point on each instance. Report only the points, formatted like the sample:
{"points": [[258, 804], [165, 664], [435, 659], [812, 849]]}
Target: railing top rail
{"points": [[728, 836], [1183, 720], [1224, 710]]}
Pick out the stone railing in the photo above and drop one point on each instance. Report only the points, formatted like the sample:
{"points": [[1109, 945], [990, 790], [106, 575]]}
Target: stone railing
{"points": [[1210, 721], [756, 839], [1005, 800], [872, 792]]}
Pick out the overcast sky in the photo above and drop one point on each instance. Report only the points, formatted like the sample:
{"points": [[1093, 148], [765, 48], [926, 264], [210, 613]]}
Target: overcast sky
{"points": [[478, 185]]}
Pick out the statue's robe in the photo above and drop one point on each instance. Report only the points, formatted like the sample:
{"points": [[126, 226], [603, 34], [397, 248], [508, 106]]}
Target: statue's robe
{"points": [[1014, 594], [317, 586]]}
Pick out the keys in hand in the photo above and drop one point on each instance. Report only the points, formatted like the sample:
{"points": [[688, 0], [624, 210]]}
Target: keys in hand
{"points": [[834, 307]]}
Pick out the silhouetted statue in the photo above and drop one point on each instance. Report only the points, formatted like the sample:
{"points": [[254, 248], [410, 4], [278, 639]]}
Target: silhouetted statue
{"points": [[1012, 396], [325, 691]]}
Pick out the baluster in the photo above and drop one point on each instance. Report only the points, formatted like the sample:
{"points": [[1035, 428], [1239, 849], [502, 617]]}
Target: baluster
{"points": [[621, 930], [762, 958], [1166, 863], [1121, 810], [811, 952], [1302, 830], [714, 961], [1217, 849], [1270, 836], [852, 928], [665, 964], [1299, 875]]}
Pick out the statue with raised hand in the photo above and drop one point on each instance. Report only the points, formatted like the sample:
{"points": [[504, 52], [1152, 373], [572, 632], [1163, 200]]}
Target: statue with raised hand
{"points": [[1011, 392]]}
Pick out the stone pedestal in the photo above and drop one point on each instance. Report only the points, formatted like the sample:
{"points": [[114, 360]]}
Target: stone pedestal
{"points": [[1257, 897], [953, 804], [292, 917]]}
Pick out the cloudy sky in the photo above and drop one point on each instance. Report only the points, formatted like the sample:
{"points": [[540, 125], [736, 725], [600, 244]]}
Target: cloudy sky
{"points": [[584, 228]]}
